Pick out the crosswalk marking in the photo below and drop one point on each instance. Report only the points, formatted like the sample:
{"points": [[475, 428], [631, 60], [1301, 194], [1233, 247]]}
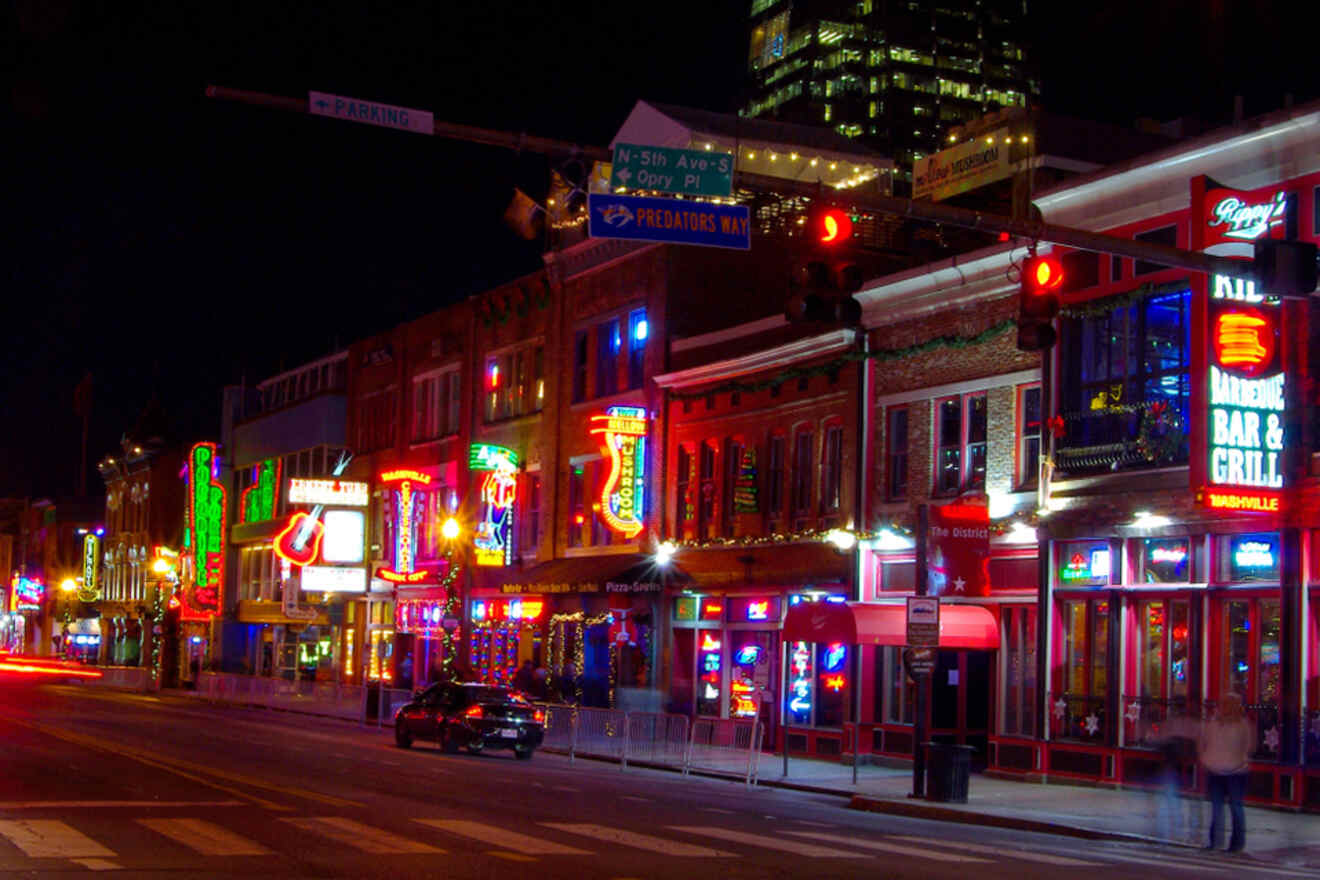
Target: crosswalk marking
{"points": [[508, 840], [98, 864], [809, 850], [633, 839], [205, 837], [52, 839], [1165, 859], [360, 836], [1000, 851], [882, 846]]}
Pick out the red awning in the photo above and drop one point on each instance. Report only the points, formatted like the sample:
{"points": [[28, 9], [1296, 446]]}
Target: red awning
{"points": [[968, 627]]}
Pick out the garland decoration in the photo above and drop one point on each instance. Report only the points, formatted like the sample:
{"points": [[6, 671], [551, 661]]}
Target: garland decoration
{"points": [[880, 356], [1095, 308], [1161, 434]]}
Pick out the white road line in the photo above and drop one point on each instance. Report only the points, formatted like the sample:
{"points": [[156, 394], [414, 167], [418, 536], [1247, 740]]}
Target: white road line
{"points": [[809, 822], [52, 839], [98, 864], [566, 788], [809, 850], [205, 837], [509, 840], [881, 846], [360, 836], [632, 797], [1211, 863], [1000, 851], [75, 805], [633, 839], [716, 810]]}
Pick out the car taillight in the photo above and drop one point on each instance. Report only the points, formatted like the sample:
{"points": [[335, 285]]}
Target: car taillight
{"points": [[473, 712], [538, 716]]}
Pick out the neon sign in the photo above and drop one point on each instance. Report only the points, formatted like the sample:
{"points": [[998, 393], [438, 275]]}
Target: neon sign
{"points": [[256, 503], [1241, 501], [1233, 218], [623, 497], [1254, 554], [834, 682], [26, 594], [1086, 565], [1247, 400], [205, 535], [799, 705], [748, 655], [90, 590], [709, 644], [744, 705], [1168, 555], [406, 511], [758, 610], [499, 491], [835, 654], [333, 493]]}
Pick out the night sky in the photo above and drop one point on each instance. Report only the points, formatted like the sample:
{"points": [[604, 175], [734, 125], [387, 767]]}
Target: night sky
{"points": [[171, 244]]}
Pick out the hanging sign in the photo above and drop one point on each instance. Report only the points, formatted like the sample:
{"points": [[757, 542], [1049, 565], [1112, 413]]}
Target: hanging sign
{"points": [[639, 218], [257, 502], [923, 622], [499, 491], [405, 516], [623, 497], [663, 169], [958, 548], [90, 590], [1245, 419], [332, 493], [205, 535]]}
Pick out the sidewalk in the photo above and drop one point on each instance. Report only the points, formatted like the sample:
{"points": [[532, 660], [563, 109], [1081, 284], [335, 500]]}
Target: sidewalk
{"points": [[1058, 808]]}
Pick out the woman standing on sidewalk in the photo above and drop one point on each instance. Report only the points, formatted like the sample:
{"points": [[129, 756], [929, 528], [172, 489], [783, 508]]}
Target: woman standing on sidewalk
{"points": [[1225, 748]]}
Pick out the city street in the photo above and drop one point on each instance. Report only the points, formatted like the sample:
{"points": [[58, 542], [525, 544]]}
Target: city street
{"points": [[155, 786]]}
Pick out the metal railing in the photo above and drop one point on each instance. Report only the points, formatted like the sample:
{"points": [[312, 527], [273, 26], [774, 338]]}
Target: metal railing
{"points": [[655, 739]]}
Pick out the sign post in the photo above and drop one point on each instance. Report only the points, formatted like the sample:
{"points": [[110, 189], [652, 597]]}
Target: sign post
{"points": [[922, 681]]}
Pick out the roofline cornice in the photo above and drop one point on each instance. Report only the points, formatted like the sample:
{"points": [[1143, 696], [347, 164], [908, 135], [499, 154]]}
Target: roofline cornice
{"points": [[781, 355]]}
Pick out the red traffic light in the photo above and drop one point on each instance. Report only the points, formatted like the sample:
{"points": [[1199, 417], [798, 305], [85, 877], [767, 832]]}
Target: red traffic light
{"points": [[831, 226], [1042, 274]]}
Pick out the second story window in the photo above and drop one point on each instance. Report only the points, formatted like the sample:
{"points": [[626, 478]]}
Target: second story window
{"points": [[436, 402], [774, 476], [706, 501], [577, 505], [608, 345], [685, 510], [638, 331], [1028, 437], [531, 513], [960, 430], [375, 421], [831, 480], [802, 467], [733, 452], [896, 454], [515, 383]]}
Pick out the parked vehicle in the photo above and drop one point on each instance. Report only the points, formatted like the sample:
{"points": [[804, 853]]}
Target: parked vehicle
{"points": [[473, 716]]}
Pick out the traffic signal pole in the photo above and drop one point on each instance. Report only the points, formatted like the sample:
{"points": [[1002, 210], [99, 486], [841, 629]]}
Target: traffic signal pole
{"points": [[930, 212]]}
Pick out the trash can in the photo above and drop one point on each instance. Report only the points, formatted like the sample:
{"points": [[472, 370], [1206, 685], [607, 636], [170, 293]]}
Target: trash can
{"points": [[373, 701], [947, 769]]}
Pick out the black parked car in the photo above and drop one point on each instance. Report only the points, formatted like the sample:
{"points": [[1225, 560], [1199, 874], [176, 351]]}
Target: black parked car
{"points": [[471, 716]]}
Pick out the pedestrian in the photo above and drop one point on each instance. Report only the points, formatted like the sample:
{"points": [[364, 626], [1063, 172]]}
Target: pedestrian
{"points": [[1176, 740], [1225, 748], [524, 678]]}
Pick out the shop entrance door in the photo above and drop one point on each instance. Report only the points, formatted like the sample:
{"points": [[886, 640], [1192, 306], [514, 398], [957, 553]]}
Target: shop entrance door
{"points": [[960, 701]]}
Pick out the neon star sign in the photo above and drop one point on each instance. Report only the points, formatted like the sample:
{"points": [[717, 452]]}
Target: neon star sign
{"points": [[205, 530], [499, 491], [623, 497]]}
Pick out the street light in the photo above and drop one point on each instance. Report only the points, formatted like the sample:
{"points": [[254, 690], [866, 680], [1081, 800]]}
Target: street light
{"points": [[664, 554], [68, 585], [450, 529]]}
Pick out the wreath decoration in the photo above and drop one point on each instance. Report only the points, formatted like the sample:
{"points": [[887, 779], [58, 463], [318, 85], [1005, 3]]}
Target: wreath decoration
{"points": [[1161, 434]]}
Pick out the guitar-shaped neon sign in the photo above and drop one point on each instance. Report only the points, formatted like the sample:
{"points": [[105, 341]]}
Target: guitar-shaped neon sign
{"points": [[300, 541]]}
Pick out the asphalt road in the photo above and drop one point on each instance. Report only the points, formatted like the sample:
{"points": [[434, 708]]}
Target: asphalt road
{"points": [[95, 781]]}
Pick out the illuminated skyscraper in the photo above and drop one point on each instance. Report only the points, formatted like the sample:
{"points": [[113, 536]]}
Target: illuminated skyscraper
{"points": [[894, 74]]}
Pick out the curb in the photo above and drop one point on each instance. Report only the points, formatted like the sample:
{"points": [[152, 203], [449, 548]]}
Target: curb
{"points": [[920, 810]]}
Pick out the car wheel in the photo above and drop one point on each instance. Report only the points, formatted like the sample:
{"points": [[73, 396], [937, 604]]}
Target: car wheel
{"points": [[523, 754], [474, 747], [402, 737]]}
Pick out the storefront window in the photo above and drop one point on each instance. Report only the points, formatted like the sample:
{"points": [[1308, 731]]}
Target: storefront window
{"points": [[680, 690], [801, 689], [710, 674], [712, 608], [1167, 560], [834, 677], [1268, 675], [751, 667], [1085, 564], [1237, 648], [1154, 627], [1253, 558], [1086, 681], [901, 691], [1020, 672], [754, 609], [685, 608]]}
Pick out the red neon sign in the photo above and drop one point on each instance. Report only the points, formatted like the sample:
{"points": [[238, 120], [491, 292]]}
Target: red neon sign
{"points": [[302, 529], [1244, 341], [834, 682], [399, 577], [1257, 501], [398, 474]]}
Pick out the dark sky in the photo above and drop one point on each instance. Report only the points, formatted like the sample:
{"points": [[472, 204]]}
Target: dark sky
{"points": [[171, 244]]}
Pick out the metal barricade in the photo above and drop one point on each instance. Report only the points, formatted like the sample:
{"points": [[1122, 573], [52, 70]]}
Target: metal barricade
{"points": [[601, 733], [560, 722], [657, 738], [726, 746]]}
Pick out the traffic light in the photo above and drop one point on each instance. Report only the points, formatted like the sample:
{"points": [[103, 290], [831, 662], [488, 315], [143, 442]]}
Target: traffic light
{"points": [[1286, 268], [1038, 303], [826, 275]]}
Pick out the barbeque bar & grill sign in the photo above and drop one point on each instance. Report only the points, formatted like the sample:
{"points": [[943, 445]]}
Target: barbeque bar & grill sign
{"points": [[1246, 402]]}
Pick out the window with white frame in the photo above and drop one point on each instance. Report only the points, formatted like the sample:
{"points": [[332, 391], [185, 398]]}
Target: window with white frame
{"points": [[258, 573], [436, 399], [1028, 436]]}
